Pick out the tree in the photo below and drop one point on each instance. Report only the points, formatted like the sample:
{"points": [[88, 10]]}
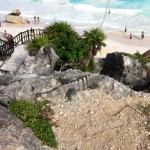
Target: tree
{"points": [[95, 40], [67, 43], [72, 49]]}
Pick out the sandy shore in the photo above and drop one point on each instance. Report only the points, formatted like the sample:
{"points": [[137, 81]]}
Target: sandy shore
{"points": [[120, 42], [115, 41], [14, 29]]}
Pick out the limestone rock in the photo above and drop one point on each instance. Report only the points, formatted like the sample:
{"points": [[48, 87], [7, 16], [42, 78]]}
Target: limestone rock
{"points": [[126, 70], [15, 12], [16, 19], [147, 54]]}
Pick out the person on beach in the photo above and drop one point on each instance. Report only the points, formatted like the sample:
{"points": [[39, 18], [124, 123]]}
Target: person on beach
{"points": [[142, 35], [0, 23], [125, 29], [38, 19], [35, 19], [5, 33], [109, 11], [130, 35]]}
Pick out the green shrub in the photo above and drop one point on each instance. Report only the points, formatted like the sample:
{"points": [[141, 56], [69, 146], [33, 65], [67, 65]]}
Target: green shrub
{"points": [[33, 116], [35, 45], [66, 42]]}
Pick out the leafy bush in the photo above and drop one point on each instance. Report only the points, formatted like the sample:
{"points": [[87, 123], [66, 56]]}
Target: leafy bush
{"points": [[66, 42], [34, 117], [35, 45]]}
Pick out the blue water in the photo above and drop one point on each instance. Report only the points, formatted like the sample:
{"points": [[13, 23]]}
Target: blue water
{"points": [[84, 14]]}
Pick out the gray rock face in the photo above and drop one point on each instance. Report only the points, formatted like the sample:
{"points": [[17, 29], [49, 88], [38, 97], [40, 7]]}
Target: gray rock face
{"points": [[14, 136], [6, 79], [113, 87], [126, 70], [40, 65]]}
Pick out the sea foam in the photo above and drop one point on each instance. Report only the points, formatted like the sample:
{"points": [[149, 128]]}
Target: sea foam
{"points": [[84, 14]]}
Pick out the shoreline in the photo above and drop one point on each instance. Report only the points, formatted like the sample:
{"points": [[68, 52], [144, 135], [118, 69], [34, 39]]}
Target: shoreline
{"points": [[116, 41], [120, 42]]}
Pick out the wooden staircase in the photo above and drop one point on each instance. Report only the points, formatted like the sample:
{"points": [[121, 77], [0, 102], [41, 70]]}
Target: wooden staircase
{"points": [[7, 48]]}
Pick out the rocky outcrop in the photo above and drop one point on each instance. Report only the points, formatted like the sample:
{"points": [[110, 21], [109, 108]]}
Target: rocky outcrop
{"points": [[125, 69], [147, 54], [15, 18], [16, 12], [85, 92]]}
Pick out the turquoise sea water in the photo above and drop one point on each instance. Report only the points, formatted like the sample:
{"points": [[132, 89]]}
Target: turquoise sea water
{"points": [[83, 14]]}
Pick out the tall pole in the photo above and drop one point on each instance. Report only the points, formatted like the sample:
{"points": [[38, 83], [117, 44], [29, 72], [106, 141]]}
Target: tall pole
{"points": [[105, 14]]}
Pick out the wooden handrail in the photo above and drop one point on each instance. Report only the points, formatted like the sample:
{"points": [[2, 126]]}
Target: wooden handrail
{"points": [[7, 48]]}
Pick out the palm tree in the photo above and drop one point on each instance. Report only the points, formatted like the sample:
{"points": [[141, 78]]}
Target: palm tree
{"points": [[105, 14], [95, 40]]}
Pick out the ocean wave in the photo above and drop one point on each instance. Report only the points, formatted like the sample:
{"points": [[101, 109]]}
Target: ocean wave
{"points": [[87, 13]]}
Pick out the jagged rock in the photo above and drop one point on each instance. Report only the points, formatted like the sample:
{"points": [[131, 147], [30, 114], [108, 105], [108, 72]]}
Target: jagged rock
{"points": [[53, 57], [126, 70], [13, 134], [113, 87], [40, 65], [147, 54], [15, 12], [5, 100], [6, 79]]}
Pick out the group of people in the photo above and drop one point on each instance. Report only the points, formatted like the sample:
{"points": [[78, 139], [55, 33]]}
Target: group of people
{"points": [[36, 19], [142, 34]]}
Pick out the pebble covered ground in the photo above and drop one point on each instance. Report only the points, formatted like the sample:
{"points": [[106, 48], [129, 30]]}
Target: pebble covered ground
{"points": [[95, 121]]}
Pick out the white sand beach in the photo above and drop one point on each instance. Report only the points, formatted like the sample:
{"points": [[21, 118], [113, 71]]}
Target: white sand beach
{"points": [[115, 41], [120, 42], [14, 29]]}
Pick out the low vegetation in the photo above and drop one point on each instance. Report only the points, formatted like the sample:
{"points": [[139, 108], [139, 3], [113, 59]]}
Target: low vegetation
{"points": [[35, 45], [74, 51], [35, 116]]}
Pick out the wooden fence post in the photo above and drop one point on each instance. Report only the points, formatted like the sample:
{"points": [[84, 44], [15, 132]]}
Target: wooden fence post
{"points": [[21, 38]]}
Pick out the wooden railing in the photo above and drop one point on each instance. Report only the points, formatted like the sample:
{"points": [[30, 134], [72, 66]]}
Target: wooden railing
{"points": [[2, 42], [7, 48]]}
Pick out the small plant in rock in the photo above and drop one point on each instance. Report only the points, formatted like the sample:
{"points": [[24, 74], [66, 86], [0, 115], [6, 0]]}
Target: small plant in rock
{"points": [[34, 116], [35, 45], [90, 67], [140, 57]]}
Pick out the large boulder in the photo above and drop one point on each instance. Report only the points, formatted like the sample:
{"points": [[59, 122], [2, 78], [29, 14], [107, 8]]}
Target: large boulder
{"points": [[16, 19], [126, 70]]}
